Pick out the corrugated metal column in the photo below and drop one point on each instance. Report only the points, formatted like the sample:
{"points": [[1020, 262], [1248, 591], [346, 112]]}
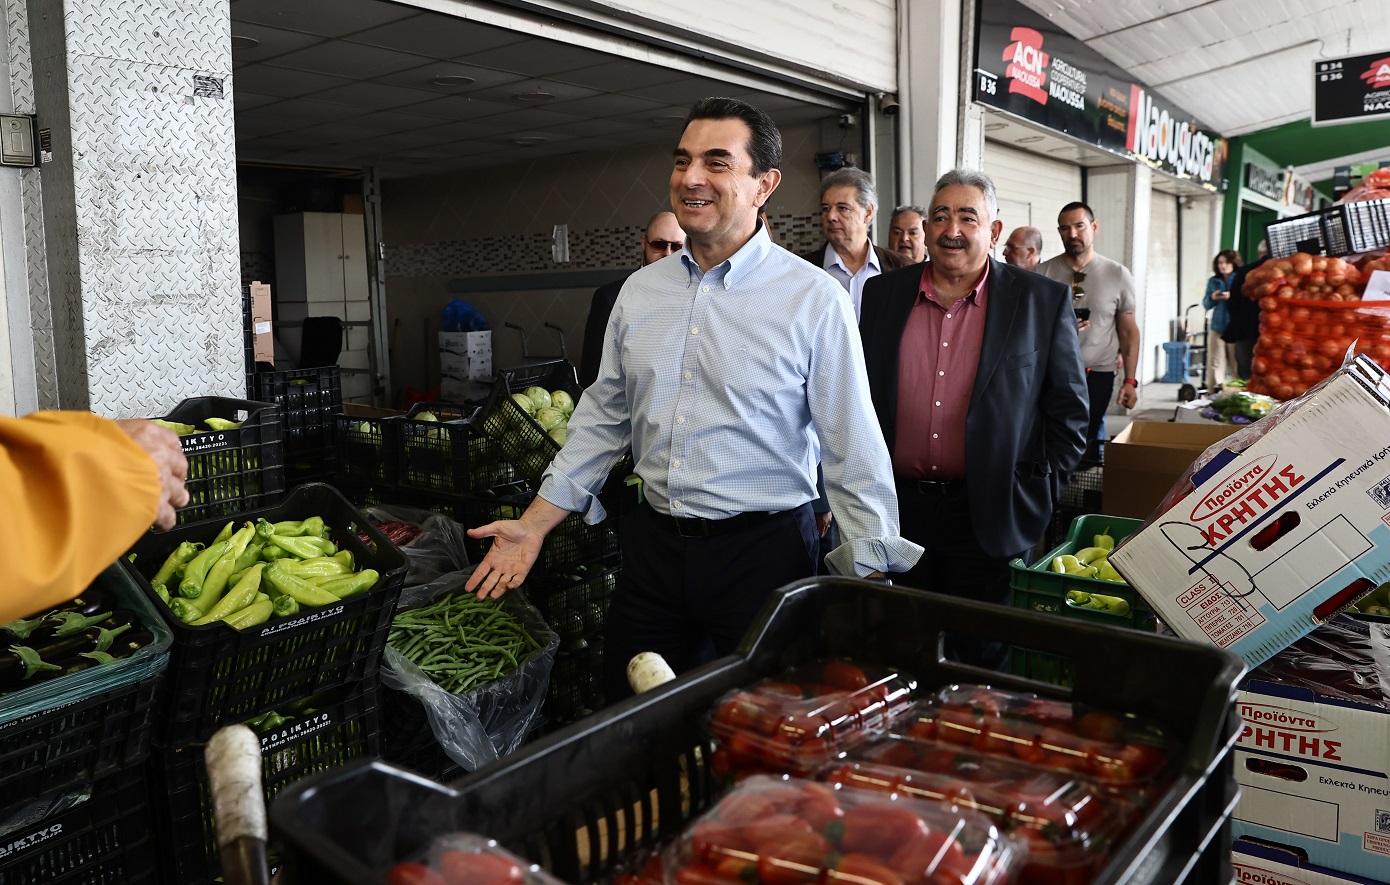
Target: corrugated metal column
{"points": [[139, 201], [933, 134], [31, 366]]}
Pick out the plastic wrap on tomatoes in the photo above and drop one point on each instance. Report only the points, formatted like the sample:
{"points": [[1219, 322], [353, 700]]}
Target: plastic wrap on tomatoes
{"points": [[801, 719], [467, 859], [1117, 749], [777, 831], [1069, 822]]}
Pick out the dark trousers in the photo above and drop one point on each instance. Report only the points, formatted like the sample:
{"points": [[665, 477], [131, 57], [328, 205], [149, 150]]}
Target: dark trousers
{"points": [[1100, 386], [954, 565], [690, 598], [1245, 354]]}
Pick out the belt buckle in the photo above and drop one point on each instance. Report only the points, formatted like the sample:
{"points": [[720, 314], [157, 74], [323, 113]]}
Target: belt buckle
{"points": [[692, 527]]}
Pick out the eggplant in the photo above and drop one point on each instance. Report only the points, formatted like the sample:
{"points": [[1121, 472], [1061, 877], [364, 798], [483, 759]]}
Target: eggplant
{"points": [[89, 602], [16, 667], [52, 626]]}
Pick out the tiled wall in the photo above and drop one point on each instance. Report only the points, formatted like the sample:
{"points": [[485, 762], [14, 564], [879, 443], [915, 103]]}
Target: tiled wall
{"points": [[443, 229]]}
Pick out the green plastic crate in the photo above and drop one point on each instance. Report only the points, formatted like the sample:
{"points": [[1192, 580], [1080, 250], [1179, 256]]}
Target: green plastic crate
{"points": [[1037, 588]]}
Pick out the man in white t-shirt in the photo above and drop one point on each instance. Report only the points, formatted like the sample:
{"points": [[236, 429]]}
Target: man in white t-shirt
{"points": [[1111, 334]]}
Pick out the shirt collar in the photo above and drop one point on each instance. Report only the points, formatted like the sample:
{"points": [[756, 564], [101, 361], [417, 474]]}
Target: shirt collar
{"points": [[748, 257], [834, 260], [926, 289]]}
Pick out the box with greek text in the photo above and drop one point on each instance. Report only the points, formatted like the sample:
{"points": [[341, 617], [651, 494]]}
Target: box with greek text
{"points": [[1256, 864], [1268, 542], [1314, 775]]}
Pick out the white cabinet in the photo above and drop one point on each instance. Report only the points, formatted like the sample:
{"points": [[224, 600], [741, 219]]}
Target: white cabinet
{"points": [[321, 270]]}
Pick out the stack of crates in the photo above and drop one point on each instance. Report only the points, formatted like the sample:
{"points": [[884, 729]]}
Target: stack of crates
{"points": [[230, 470], [310, 401], [307, 683], [1038, 588], [74, 806]]}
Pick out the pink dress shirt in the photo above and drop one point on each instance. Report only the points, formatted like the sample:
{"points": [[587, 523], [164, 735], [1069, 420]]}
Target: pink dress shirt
{"points": [[937, 360]]}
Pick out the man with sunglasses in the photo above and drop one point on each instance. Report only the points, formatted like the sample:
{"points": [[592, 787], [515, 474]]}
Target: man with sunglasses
{"points": [[663, 236], [1105, 288]]}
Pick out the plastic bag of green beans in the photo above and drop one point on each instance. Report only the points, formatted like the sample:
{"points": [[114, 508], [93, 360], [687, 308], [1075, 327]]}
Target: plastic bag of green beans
{"points": [[479, 669]]}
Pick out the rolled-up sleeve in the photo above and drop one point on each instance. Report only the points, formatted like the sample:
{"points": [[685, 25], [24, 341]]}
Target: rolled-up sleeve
{"points": [[854, 457], [78, 492]]}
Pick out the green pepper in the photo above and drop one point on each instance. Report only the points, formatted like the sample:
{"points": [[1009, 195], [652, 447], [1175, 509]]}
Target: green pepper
{"points": [[319, 566], [181, 555], [226, 533], [313, 526], [285, 606], [216, 581], [1104, 540], [253, 615], [304, 547], [271, 553], [352, 584], [281, 582], [1091, 555], [238, 598], [197, 570], [249, 557], [221, 424]]}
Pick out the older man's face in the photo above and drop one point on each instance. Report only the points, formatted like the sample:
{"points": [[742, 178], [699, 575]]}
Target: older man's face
{"points": [[844, 222], [663, 236], [1018, 253], [960, 231], [908, 237]]}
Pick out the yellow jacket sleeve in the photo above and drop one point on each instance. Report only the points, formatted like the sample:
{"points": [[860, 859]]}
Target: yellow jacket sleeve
{"points": [[77, 492]]}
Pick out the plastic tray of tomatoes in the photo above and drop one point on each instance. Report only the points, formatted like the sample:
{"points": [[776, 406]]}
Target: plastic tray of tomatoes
{"points": [[797, 721], [467, 859], [1069, 822], [777, 831], [1120, 751]]}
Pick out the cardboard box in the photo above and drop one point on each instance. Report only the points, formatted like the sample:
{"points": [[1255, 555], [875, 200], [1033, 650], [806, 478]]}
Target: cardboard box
{"points": [[262, 336], [1273, 541], [1314, 774], [1255, 864], [1147, 459], [466, 356]]}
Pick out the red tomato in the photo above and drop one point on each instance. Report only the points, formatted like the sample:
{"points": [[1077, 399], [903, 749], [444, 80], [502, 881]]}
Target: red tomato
{"points": [[958, 726], [925, 856], [844, 675], [475, 868], [792, 861], [744, 807], [858, 869], [411, 873], [744, 712], [926, 727], [819, 806], [879, 828], [712, 840], [1100, 726], [737, 868], [779, 690], [1128, 763], [745, 747], [699, 874], [775, 829], [1064, 749]]}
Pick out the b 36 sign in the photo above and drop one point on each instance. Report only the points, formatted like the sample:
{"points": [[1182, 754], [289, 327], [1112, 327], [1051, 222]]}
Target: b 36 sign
{"points": [[1351, 89]]}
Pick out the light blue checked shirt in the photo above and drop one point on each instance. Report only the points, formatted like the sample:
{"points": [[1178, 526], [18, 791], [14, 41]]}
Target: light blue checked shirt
{"points": [[723, 382]]}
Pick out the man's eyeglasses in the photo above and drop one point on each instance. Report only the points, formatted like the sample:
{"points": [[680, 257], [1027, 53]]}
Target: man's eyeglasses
{"points": [[665, 245], [1077, 278]]}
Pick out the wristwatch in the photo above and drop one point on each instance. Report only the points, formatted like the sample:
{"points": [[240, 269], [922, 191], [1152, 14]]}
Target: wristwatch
{"points": [[1134, 381]]}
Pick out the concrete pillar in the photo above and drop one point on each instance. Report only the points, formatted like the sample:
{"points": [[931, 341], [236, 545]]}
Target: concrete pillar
{"points": [[1120, 197], [139, 201], [929, 86]]}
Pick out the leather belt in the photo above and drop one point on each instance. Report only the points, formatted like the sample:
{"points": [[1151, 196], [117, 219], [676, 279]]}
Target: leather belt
{"points": [[695, 527], [934, 488]]}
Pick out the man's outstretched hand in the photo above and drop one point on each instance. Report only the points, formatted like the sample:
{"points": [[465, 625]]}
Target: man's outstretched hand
{"points": [[516, 543]]}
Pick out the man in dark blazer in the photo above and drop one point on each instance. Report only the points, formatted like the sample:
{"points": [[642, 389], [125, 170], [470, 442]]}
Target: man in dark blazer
{"points": [[661, 237], [975, 372], [848, 202]]}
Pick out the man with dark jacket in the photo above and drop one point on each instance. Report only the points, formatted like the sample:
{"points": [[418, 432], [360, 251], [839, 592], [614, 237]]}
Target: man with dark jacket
{"points": [[661, 237], [976, 377], [847, 205]]}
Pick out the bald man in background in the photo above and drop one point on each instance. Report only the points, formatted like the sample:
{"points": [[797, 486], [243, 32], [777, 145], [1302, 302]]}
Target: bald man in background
{"points": [[661, 237], [1023, 248]]}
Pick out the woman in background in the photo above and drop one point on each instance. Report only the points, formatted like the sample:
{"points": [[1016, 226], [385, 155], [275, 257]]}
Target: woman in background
{"points": [[1221, 356]]}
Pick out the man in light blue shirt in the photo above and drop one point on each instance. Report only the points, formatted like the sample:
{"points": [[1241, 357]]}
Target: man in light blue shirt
{"points": [[728, 368]]}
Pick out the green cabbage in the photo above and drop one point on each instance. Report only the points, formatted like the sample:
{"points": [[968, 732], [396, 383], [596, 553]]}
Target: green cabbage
{"points": [[562, 401], [539, 396]]}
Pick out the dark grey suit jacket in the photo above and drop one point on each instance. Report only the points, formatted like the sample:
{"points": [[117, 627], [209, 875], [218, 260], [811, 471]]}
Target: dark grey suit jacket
{"points": [[886, 260], [1026, 428], [596, 328]]}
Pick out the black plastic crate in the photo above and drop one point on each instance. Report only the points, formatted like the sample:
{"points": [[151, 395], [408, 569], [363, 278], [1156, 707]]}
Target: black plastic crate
{"points": [[106, 840], [637, 772], [529, 448], [230, 470], [577, 605], [571, 543], [1350, 228], [366, 450], [218, 675], [344, 726], [576, 681], [309, 401], [408, 741], [450, 456], [78, 737]]}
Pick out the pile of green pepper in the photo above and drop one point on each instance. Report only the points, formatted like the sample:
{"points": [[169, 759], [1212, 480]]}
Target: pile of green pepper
{"points": [[461, 642], [247, 575]]}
